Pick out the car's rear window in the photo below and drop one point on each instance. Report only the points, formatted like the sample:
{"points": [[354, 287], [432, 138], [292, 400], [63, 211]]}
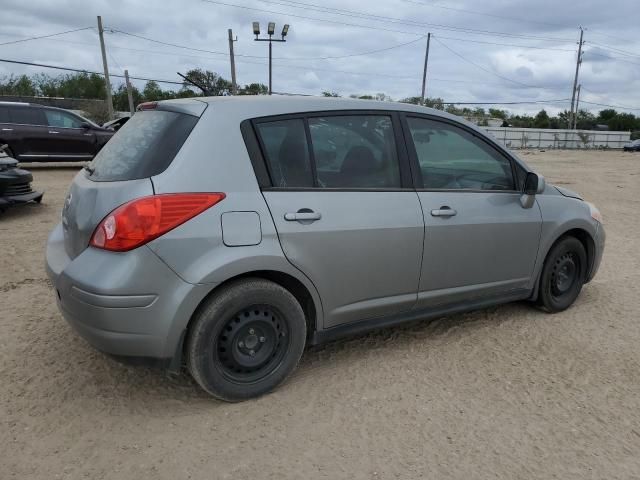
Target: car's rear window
{"points": [[145, 146]]}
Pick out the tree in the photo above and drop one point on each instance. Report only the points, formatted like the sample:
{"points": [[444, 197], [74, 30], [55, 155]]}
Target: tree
{"points": [[152, 92], [21, 85], [327, 93], [541, 120], [254, 89], [497, 113], [213, 83], [121, 98]]}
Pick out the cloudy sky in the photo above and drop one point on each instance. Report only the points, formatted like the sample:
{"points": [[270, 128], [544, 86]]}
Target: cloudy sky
{"points": [[489, 51]]}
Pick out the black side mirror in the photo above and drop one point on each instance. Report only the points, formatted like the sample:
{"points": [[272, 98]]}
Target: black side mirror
{"points": [[85, 125], [531, 184]]}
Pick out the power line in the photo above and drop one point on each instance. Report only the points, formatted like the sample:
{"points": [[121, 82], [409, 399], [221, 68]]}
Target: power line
{"points": [[45, 36], [79, 70], [532, 102], [471, 40], [387, 20], [610, 106], [483, 68], [616, 50], [369, 52], [370, 16], [504, 17], [618, 59]]}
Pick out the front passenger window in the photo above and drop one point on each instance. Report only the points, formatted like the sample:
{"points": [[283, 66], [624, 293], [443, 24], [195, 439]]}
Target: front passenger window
{"points": [[451, 158], [61, 119]]}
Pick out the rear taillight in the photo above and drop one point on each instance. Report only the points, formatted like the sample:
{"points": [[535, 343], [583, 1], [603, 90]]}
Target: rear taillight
{"points": [[140, 221]]}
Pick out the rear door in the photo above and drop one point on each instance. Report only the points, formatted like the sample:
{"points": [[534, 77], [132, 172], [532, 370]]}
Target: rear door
{"points": [[344, 209], [66, 138], [479, 240], [30, 131]]}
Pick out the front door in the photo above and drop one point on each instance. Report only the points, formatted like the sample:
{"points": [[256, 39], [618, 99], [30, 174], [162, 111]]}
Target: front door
{"points": [[67, 139], [344, 212], [479, 240]]}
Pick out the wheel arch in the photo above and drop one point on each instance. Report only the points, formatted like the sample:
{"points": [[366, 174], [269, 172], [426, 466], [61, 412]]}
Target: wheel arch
{"points": [[588, 242], [310, 305]]}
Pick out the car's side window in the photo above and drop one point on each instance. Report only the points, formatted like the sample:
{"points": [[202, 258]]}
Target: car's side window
{"points": [[452, 158], [287, 153], [56, 118], [26, 116], [354, 151]]}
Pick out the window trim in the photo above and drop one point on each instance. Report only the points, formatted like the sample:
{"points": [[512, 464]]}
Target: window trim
{"points": [[413, 154], [260, 165]]}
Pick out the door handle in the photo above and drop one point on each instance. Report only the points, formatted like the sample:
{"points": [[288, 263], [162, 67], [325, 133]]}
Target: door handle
{"points": [[443, 211], [7, 129], [53, 131], [302, 215]]}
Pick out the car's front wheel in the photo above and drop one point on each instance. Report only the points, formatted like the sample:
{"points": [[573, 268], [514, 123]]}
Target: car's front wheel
{"points": [[246, 339], [563, 275]]}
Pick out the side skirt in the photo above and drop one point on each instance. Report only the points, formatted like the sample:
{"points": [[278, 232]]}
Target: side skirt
{"points": [[363, 326]]}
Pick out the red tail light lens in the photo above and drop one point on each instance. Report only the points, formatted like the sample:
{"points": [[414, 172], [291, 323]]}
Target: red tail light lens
{"points": [[140, 221]]}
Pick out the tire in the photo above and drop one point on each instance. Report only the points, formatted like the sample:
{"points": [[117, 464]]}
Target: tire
{"points": [[563, 275], [246, 339]]}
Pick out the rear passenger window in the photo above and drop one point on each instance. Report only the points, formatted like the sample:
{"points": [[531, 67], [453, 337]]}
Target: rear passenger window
{"points": [[354, 151], [26, 116], [287, 153]]}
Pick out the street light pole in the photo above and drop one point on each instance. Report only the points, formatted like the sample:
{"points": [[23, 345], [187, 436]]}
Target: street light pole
{"points": [[270, 31]]}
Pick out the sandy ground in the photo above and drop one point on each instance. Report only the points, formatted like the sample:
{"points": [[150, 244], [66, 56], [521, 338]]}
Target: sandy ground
{"points": [[507, 392]]}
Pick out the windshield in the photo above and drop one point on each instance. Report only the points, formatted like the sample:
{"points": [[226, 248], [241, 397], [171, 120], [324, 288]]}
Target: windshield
{"points": [[145, 146]]}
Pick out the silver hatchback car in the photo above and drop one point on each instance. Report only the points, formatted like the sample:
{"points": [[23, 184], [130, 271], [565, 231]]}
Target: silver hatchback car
{"points": [[228, 233]]}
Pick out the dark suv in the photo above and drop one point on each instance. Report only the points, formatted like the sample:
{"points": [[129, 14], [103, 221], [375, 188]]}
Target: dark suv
{"points": [[36, 133]]}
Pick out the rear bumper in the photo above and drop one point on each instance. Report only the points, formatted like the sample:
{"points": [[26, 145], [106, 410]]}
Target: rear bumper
{"points": [[124, 304]]}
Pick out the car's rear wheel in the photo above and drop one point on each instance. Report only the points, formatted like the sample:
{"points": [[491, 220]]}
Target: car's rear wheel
{"points": [[246, 339], [563, 275]]}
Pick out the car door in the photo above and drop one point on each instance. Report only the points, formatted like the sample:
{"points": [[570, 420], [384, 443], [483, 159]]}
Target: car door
{"points": [[479, 240], [67, 139], [344, 209], [29, 131]]}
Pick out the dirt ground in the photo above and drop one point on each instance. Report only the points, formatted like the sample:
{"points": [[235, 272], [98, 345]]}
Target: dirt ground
{"points": [[506, 392]]}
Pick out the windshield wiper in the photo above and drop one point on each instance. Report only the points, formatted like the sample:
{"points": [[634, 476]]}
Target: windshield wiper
{"points": [[89, 169]]}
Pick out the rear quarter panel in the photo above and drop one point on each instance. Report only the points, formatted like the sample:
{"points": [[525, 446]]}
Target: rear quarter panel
{"points": [[214, 159]]}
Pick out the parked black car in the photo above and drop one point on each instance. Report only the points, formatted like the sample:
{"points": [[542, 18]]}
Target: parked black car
{"points": [[15, 183], [36, 133], [632, 147]]}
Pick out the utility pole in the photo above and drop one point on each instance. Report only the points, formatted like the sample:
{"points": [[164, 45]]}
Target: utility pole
{"points": [[129, 92], [424, 73], [575, 80], [107, 83], [270, 31], [234, 85], [575, 117]]}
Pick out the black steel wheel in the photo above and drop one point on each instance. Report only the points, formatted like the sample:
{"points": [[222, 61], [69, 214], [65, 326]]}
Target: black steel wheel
{"points": [[251, 344], [245, 339], [563, 275]]}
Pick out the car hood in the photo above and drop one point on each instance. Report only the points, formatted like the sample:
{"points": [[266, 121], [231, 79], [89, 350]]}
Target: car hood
{"points": [[568, 193]]}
